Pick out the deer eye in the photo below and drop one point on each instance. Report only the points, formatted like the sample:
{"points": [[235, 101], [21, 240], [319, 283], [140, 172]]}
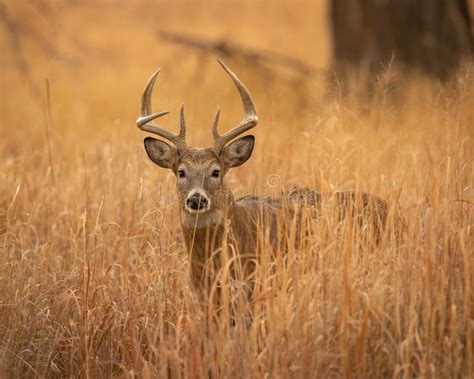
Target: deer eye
{"points": [[181, 174], [216, 173]]}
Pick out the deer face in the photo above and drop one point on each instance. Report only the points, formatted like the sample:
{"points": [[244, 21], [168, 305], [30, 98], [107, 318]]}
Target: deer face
{"points": [[199, 172]]}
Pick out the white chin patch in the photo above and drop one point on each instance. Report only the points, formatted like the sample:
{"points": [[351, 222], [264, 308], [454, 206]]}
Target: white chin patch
{"points": [[192, 220], [197, 211]]}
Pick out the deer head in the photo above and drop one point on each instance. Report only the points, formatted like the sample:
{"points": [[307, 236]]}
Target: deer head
{"points": [[199, 171]]}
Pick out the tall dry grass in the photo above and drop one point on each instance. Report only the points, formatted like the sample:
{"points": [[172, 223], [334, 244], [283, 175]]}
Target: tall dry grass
{"points": [[93, 277]]}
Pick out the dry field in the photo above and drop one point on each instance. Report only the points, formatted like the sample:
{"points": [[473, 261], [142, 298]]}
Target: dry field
{"points": [[93, 272]]}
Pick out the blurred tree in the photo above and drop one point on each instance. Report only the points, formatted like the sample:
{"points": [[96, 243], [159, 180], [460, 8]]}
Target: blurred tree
{"points": [[431, 35]]}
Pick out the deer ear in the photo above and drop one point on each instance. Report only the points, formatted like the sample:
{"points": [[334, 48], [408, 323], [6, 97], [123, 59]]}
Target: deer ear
{"points": [[238, 152], [160, 152]]}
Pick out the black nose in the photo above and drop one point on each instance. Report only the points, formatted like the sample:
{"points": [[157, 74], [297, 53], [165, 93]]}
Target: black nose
{"points": [[197, 202]]}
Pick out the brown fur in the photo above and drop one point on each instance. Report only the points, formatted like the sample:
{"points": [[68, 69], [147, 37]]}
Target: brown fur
{"points": [[237, 230]]}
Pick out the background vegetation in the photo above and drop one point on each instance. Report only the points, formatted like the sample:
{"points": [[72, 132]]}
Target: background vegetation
{"points": [[93, 272]]}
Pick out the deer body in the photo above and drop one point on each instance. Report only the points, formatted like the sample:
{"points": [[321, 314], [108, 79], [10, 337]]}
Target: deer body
{"points": [[212, 221]]}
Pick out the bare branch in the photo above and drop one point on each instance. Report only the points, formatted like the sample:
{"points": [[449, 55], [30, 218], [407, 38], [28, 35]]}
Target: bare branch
{"points": [[227, 49]]}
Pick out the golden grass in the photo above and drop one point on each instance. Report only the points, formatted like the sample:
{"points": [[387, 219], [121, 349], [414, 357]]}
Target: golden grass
{"points": [[93, 272]]}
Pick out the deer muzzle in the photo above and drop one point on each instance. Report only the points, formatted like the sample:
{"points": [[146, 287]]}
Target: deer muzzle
{"points": [[197, 202]]}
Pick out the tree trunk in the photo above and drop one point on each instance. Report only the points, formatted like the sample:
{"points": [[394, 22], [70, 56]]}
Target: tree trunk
{"points": [[431, 35]]}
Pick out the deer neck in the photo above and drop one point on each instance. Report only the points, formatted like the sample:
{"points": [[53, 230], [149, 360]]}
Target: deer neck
{"points": [[203, 234]]}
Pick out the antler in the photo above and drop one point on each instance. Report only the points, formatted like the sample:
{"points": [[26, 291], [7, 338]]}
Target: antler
{"points": [[250, 115], [146, 116]]}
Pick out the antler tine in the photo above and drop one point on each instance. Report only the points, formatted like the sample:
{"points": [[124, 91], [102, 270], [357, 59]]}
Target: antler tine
{"points": [[214, 124], [146, 116], [182, 123], [250, 115]]}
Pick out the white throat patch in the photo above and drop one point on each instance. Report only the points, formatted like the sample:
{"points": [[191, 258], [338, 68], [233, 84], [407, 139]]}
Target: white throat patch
{"points": [[201, 220]]}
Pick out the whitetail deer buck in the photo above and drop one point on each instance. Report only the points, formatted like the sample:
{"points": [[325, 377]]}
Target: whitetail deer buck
{"points": [[210, 216]]}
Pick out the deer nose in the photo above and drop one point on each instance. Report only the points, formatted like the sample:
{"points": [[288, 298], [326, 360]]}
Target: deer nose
{"points": [[197, 202]]}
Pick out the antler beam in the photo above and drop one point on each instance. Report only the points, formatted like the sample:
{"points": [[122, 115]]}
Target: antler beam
{"points": [[248, 122], [146, 116]]}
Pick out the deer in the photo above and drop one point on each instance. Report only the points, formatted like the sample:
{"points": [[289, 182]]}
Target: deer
{"points": [[211, 217]]}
